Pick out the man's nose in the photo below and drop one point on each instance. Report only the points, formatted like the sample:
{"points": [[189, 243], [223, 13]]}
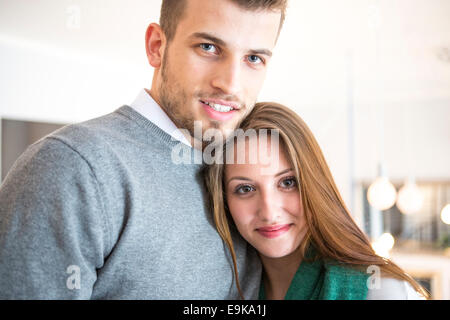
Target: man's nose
{"points": [[270, 206], [227, 77]]}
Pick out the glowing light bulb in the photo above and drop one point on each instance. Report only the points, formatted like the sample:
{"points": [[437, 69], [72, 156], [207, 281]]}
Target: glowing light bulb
{"points": [[387, 241], [382, 194], [445, 214], [410, 198], [383, 245]]}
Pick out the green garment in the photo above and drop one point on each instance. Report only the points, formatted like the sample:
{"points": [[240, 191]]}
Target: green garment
{"points": [[319, 280]]}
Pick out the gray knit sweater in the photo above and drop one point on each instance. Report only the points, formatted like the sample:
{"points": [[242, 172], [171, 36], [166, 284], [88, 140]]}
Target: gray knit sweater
{"points": [[98, 210]]}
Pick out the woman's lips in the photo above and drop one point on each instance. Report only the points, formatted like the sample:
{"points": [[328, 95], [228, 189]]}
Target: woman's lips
{"points": [[274, 231]]}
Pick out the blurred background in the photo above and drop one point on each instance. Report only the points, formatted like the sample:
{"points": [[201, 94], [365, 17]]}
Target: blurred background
{"points": [[370, 78]]}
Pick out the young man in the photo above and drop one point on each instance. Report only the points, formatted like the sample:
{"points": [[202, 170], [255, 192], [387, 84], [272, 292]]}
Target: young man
{"points": [[99, 210]]}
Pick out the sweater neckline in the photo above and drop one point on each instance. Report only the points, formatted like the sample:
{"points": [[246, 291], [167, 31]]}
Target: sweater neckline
{"points": [[143, 122], [161, 135]]}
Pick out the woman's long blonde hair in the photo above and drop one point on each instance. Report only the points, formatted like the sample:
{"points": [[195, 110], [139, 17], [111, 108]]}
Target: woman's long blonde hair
{"points": [[330, 226]]}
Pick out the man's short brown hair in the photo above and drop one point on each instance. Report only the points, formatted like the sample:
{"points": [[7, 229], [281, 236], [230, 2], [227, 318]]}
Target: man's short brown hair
{"points": [[172, 12]]}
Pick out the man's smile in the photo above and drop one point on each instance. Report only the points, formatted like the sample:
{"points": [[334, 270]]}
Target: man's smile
{"points": [[220, 111]]}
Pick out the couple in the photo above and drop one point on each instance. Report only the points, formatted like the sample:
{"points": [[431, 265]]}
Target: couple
{"points": [[98, 210]]}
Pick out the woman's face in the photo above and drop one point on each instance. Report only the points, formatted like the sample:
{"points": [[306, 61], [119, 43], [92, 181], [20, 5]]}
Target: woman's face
{"points": [[265, 202]]}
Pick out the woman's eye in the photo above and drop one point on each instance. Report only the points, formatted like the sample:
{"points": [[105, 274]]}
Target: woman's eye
{"points": [[208, 47], [243, 189], [289, 183], [255, 59]]}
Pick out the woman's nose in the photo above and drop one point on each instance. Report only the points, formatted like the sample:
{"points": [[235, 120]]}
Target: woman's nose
{"points": [[270, 207]]}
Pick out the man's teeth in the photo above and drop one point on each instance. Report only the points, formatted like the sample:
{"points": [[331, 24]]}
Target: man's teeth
{"points": [[219, 107]]}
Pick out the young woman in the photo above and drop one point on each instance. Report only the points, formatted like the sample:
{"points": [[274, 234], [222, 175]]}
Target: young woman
{"points": [[291, 212]]}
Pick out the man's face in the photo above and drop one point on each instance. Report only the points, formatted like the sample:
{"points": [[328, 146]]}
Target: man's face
{"points": [[214, 67]]}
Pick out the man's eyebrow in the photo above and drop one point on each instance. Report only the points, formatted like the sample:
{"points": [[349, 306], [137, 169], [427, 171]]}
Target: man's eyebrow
{"points": [[220, 42], [261, 51], [210, 37]]}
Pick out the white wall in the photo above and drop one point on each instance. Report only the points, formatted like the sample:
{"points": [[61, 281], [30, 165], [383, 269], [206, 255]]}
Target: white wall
{"points": [[54, 69]]}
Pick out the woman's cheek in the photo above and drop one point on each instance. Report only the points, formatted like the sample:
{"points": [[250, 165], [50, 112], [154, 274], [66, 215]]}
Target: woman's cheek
{"points": [[242, 212], [294, 204]]}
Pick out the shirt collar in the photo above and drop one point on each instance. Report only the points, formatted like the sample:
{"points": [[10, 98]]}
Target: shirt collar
{"points": [[147, 106]]}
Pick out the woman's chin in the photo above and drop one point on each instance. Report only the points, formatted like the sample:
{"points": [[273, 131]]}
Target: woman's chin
{"points": [[275, 253]]}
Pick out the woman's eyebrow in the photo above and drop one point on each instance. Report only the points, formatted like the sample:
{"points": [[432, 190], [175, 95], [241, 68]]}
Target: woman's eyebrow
{"points": [[247, 179], [238, 178], [284, 171]]}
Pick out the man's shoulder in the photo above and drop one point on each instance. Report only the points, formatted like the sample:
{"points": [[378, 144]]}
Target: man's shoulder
{"points": [[90, 132], [122, 130], [70, 146]]}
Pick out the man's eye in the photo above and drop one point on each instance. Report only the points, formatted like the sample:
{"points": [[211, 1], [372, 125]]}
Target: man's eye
{"points": [[244, 189], [208, 47], [288, 183], [254, 59]]}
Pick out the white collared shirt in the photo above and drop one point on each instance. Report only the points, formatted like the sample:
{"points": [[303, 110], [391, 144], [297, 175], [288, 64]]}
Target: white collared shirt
{"points": [[147, 107]]}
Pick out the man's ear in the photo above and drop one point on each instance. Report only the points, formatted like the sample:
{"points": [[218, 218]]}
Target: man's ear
{"points": [[154, 44]]}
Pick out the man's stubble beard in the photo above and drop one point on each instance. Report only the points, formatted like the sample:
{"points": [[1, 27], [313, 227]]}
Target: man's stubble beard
{"points": [[173, 98]]}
